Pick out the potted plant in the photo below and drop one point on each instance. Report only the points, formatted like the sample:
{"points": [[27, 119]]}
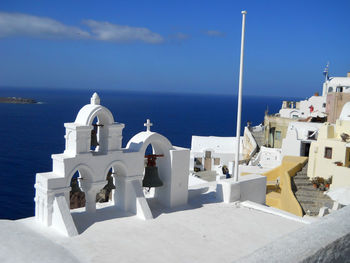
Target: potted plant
{"points": [[314, 182]]}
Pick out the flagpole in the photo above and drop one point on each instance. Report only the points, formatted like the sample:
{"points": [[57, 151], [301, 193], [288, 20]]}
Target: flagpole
{"points": [[239, 106]]}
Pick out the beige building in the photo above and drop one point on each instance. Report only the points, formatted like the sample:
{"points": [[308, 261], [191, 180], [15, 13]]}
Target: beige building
{"points": [[334, 104], [330, 154], [337, 90], [275, 130]]}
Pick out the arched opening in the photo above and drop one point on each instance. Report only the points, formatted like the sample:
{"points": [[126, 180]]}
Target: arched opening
{"points": [[155, 170], [106, 193], [149, 150], [76, 195]]}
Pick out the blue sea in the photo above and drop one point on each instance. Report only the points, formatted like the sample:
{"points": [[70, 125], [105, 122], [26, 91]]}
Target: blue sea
{"points": [[30, 133]]}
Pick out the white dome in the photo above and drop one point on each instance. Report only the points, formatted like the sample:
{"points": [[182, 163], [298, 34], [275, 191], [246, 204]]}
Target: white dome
{"points": [[87, 113], [345, 113]]}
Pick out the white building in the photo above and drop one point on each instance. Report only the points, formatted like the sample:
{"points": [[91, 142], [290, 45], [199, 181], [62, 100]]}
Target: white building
{"points": [[53, 188], [315, 106], [299, 137], [267, 159], [210, 153], [336, 84]]}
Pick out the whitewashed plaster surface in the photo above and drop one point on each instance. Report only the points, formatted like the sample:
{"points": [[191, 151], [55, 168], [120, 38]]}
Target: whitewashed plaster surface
{"points": [[303, 111], [334, 82], [297, 134], [345, 112], [223, 148], [268, 158], [341, 195], [202, 231], [93, 165]]}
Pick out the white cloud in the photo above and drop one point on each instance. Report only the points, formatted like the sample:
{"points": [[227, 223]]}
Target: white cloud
{"points": [[181, 36], [106, 31], [215, 33], [15, 24]]}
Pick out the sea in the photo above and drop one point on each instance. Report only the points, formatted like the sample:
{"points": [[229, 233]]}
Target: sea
{"points": [[31, 133]]}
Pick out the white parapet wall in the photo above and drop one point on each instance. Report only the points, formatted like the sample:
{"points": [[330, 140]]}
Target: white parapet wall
{"points": [[268, 157], [249, 187], [326, 240]]}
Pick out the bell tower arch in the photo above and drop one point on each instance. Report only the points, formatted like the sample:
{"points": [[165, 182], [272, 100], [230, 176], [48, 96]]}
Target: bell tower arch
{"points": [[173, 166], [96, 168]]}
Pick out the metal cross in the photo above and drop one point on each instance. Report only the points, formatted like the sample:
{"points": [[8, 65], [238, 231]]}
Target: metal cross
{"points": [[148, 124]]}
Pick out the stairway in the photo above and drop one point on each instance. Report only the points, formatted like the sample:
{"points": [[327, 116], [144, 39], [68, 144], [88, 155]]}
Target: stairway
{"points": [[309, 198], [259, 137]]}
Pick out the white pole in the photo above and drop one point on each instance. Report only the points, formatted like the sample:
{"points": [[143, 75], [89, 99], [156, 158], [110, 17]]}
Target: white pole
{"points": [[239, 106]]}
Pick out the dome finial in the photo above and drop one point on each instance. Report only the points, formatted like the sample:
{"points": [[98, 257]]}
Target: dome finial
{"points": [[95, 99]]}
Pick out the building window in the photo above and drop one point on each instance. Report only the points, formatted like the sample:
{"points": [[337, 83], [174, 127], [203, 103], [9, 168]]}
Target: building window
{"points": [[339, 89], [216, 161], [328, 152], [278, 135], [311, 135]]}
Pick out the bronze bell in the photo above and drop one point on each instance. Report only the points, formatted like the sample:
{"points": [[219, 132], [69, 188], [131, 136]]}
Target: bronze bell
{"points": [[151, 178], [94, 141]]}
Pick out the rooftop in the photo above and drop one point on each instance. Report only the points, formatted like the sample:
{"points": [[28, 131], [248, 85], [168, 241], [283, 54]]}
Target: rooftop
{"points": [[217, 232]]}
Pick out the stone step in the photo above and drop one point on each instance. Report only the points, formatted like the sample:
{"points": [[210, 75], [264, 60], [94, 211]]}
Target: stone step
{"points": [[327, 203], [301, 194], [306, 188], [301, 176], [317, 204], [313, 208], [301, 173], [315, 201], [312, 212], [302, 179], [304, 202], [300, 184], [310, 195], [309, 198]]}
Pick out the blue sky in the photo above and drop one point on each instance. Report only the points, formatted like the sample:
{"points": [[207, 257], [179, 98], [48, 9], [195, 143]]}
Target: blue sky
{"points": [[173, 46]]}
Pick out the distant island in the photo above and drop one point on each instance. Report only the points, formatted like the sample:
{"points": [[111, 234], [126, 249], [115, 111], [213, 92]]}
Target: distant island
{"points": [[17, 100]]}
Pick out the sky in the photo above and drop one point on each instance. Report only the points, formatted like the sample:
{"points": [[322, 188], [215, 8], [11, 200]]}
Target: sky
{"points": [[174, 46]]}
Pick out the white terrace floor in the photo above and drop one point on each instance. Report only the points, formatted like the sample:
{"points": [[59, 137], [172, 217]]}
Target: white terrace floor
{"points": [[203, 231]]}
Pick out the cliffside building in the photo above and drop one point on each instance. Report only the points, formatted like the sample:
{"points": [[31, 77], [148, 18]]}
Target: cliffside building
{"points": [[330, 154]]}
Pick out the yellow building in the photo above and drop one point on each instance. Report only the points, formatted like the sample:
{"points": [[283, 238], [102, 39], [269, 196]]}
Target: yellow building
{"points": [[330, 155], [280, 195]]}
